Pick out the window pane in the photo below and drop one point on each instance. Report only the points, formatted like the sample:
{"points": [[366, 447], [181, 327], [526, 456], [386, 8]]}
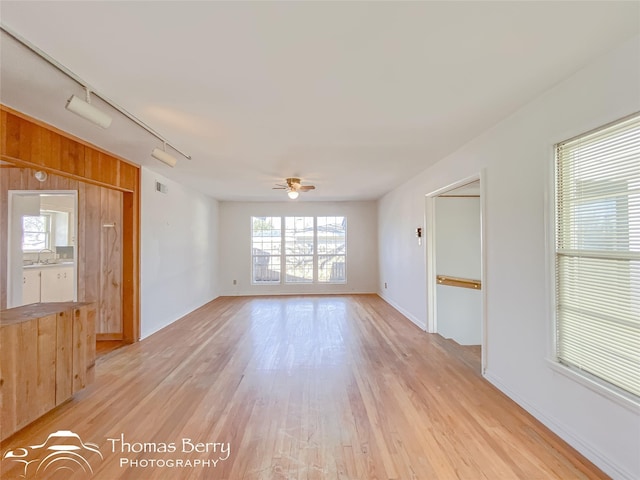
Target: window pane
{"points": [[266, 249], [35, 232], [34, 241], [266, 268], [31, 223], [299, 244], [332, 248], [298, 235], [332, 268], [299, 269]]}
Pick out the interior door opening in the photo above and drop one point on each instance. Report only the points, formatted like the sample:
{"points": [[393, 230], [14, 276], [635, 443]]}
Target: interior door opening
{"points": [[455, 259]]}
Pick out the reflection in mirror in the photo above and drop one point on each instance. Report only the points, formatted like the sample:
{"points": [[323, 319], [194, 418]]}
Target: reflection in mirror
{"points": [[42, 260]]}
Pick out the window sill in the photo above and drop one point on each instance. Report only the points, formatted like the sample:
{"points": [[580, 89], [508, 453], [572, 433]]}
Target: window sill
{"points": [[624, 399]]}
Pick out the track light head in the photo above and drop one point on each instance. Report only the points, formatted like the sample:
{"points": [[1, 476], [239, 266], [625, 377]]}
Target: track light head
{"points": [[88, 111], [164, 157]]}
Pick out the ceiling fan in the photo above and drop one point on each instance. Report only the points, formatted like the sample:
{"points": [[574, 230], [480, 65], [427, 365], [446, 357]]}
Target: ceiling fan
{"points": [[293, 187]]}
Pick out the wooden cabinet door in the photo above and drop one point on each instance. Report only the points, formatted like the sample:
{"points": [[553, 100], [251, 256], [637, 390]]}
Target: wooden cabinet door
{"points": [[28, 358], [64, 356]]}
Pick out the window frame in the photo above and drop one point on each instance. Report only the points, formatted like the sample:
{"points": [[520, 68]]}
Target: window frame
{"points": [[596, 384], [283, 253], [48, 233], [255, 256], [319, 255]]}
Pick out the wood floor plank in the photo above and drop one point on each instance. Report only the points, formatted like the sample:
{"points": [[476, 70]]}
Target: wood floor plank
{"points": [[301, 388]]}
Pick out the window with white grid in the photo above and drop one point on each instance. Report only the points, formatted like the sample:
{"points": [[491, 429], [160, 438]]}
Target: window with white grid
{"points": [[332, 249], [298, 250], [266, 248], [36, 232]]}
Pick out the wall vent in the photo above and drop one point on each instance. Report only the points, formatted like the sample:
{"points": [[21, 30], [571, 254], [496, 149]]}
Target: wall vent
{"points": [[161, 187]]}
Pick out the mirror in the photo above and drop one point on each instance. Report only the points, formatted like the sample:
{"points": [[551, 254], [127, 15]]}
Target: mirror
{"points": [[42, 246]]}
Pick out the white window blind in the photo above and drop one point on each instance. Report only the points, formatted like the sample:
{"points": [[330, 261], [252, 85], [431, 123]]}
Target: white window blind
{"points": [[598, 253]]}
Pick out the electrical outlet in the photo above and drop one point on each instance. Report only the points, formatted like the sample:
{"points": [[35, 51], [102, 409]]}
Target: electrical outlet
{"points": [[235, 282], [385, 284]]}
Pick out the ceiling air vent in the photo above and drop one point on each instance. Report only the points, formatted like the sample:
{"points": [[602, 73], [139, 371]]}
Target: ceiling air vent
{"points": [[161, 187]]}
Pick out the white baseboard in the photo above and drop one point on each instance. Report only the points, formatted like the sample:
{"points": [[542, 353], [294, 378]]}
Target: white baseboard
{"points": [[605, 464], [411, 317]]}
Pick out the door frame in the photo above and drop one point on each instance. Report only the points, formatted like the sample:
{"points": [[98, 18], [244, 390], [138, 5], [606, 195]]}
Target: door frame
{"points": [[13, 265], [430, 245]]}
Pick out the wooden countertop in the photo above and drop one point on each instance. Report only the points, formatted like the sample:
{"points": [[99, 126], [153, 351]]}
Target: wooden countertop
{"points": [[35, 310]]}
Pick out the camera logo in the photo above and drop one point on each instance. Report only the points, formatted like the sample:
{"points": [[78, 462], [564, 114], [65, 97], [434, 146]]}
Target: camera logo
{"points": [[62, 454]]}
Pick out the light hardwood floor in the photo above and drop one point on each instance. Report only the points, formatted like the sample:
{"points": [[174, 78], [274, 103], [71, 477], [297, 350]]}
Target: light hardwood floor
{"points": [[105, 347], [317, 387]]}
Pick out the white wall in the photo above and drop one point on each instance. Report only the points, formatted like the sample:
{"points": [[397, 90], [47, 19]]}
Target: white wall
{"points": [[178, 254], [459, 310], [235, 245], [517, 156]]}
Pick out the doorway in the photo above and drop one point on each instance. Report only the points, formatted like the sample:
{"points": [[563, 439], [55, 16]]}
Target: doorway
{"points": [[455, 274]]}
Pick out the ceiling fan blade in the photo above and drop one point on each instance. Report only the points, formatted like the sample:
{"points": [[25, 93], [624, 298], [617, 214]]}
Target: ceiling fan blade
{"points": [[293, 184]]}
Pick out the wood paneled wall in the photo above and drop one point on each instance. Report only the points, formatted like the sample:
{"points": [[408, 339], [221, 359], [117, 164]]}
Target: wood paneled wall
{"points": [[29, 143], [99, 248]]}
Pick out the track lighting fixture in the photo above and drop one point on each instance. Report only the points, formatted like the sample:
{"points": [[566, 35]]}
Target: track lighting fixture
{"points": [[87, 111], [84, 107], [163, 156]]}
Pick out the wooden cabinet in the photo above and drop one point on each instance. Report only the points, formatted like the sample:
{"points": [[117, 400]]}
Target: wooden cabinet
{"points": [[47, 353], [30, 286]]}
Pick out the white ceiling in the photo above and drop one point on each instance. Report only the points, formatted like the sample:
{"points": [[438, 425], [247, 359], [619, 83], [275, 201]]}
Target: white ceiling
{"points": [[355, 97]]}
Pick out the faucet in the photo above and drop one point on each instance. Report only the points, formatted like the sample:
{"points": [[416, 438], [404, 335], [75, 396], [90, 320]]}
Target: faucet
{"points": [[44, 250]]}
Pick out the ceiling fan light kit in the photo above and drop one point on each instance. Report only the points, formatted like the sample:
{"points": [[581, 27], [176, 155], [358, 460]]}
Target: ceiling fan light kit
{"points": [[293, 187]]}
